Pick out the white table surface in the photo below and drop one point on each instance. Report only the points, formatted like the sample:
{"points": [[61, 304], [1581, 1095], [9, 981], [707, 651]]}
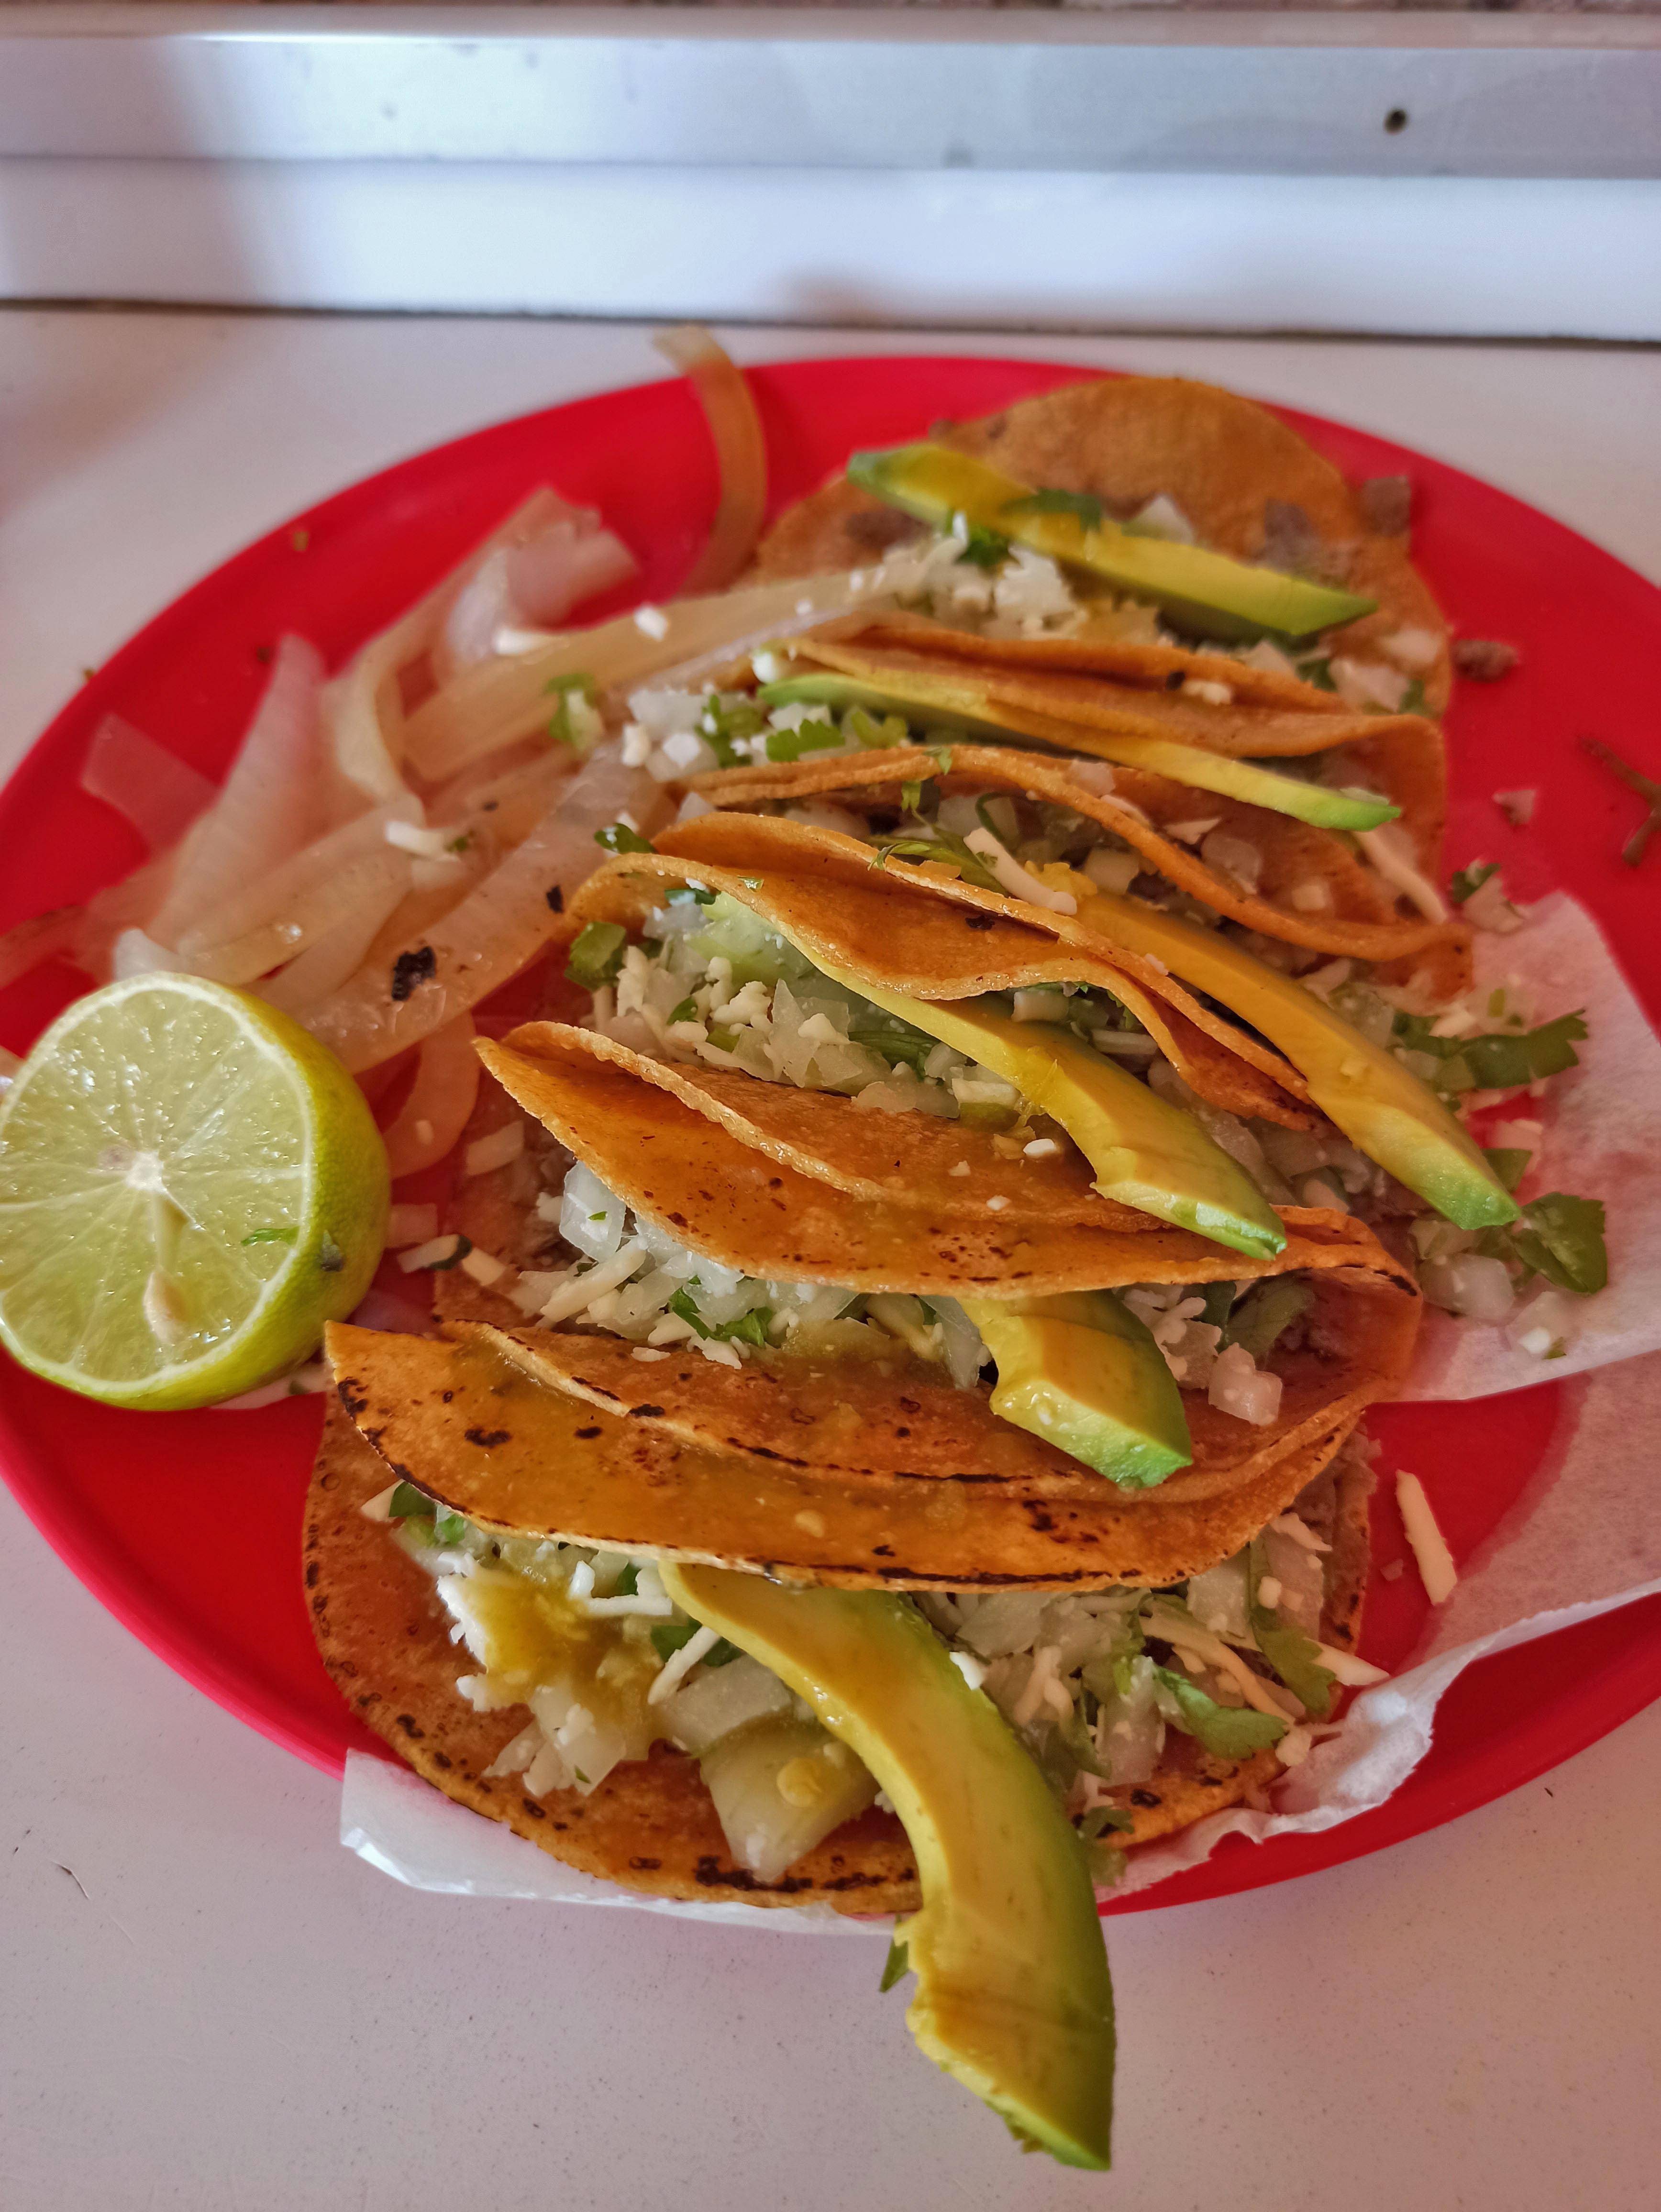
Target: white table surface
{"points": [[206, 2004]]}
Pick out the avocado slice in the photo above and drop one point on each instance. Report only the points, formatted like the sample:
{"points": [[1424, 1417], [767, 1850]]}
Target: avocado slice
{"points": [[1013, 1998], [1147, 1153], [1384, 1111], [959, 703], [1206, 594], [1081, 1371]]}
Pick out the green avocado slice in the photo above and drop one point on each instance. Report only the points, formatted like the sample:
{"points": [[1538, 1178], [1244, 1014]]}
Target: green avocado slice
{"points": [[959, 703], [1206, 594], [1081, 1371], [1013, 1998], [1146, 1152], [1384, 1111]]}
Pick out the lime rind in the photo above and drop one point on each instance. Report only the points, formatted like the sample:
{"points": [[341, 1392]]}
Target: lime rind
{"points": [[191, 1186]]}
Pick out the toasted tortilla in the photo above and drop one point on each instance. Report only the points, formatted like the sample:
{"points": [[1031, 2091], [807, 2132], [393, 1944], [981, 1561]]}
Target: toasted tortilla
{"points": [[910, 933], [1401, 755], [692, 1171], [650, 1826], [480, 1424], [1227, 464], [1095, 649], [652, 1141], [1359, 919]]}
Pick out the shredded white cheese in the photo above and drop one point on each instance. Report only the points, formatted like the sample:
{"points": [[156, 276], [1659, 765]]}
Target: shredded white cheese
{"points": [[1014, 878], [1436, 1569], [681, 1663], [1389, 852], [497, 1149]]}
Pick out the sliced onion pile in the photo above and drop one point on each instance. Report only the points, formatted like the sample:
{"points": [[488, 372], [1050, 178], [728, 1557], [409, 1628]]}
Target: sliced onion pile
{"points": [[393, 842]]}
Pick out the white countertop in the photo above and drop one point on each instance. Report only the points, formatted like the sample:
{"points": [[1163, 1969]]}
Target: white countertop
{"points": [[206, 2004]]}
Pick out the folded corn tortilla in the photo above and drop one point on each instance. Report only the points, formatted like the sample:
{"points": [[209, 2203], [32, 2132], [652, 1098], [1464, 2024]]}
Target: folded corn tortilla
{"points": [[910, 932], [1234, 469], [650, 1825], [649, 1133], [1358, 918]]}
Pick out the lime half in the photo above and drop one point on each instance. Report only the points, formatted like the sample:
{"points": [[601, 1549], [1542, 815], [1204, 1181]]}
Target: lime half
{"points": [[190, 1187]]}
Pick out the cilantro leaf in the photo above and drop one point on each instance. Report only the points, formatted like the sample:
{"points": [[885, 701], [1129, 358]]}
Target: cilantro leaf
{"points": [[628, 1583], [896, 1967], [1496, 1060], [1499, 1062], [1561, 1238], [748, 1329], [1225, 1731], [1105, 1816], [597, 954], [1265, 1314], [942, 846], [408, 1503], [1294, 1657], [809, 737], [668, 1636], [911, 794], [1467, 880], [872, 735], [618, 837], [985, 548], [720, 725], [1509, 1163]]}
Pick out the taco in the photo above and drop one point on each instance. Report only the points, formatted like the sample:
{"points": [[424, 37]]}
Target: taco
{"points": [[597, 1773], [937, 988], [1213, 468], [818, 1321]]}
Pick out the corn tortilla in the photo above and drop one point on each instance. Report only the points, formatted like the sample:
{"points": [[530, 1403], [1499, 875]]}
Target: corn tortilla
{"points": [[1400, 755], [909, 933], [469, 1423], [1222, 459], [650, 1826], [1359, 919]]}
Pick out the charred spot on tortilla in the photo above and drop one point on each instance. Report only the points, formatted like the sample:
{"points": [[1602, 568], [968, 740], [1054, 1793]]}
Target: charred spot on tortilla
{"points": [[411, 968], [486, 1439]]}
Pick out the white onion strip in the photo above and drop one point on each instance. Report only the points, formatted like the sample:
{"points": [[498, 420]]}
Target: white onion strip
{"points": [[494, 932], [156, 790], [279, 894], [268, 807], [365, 887], [362, 707], [335, 957], [729, 407], [441, 1101]]}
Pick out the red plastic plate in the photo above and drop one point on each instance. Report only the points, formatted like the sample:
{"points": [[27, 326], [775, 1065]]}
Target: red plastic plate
{"points": [[111, 1490]]}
